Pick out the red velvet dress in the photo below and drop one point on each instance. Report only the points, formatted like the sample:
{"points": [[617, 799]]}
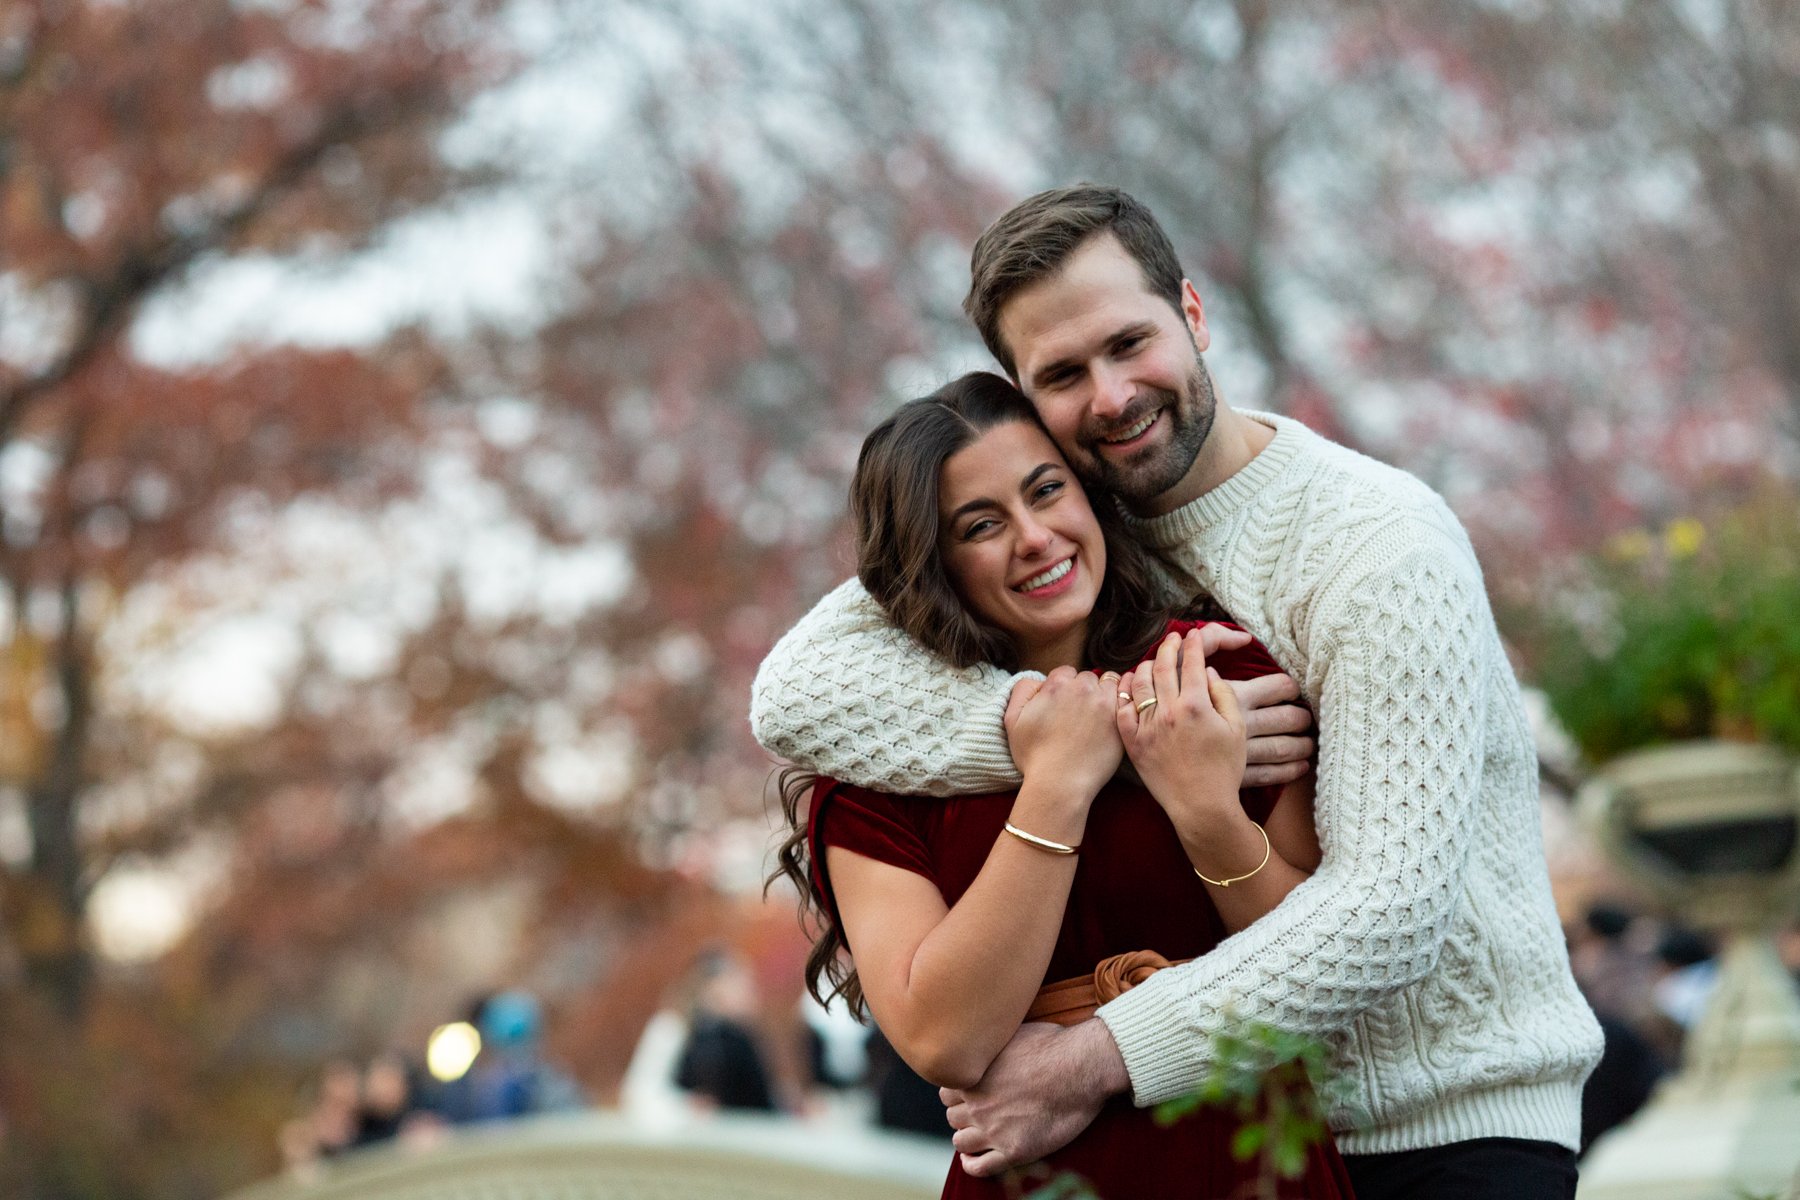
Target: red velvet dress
{"points": [[1134, 889]]}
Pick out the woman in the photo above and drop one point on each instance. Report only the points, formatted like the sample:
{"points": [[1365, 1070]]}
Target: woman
{"points": [[977, 539]]}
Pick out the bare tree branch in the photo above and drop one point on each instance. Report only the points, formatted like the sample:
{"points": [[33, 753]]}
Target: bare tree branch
{"points": [[110, 298]]}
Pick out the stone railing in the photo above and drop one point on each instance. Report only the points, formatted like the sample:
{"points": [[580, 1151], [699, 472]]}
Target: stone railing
{"points": [[601, 1156]]}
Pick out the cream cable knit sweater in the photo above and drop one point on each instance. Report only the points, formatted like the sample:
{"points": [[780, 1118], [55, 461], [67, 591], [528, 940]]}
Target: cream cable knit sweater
{"points": [[1425, 949]]}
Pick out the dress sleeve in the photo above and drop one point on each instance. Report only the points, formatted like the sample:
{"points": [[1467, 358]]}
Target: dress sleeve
{"points": [[863, 822]]}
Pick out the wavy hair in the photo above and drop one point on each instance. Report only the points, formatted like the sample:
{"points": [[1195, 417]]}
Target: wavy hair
{"points": [[894, 505]]}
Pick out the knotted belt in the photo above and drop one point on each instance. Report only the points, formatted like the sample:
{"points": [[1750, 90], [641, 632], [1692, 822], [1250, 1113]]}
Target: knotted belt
{"points": [[1071, 1001]]}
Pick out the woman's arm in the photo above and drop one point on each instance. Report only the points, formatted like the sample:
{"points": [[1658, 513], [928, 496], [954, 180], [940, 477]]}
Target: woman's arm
{"points": [[1230, 846], [950, 985], [1189, 749]]}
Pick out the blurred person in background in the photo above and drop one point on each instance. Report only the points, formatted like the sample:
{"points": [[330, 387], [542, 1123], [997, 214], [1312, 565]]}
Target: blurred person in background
{"points": [[509, 1077], [328, 1126], [1611, 953], [1687, 971], [905, 1101], [336, 1112], [722, 1066], [393, 1104], [835, 1050], [1630, 1068], [1617, 975]]}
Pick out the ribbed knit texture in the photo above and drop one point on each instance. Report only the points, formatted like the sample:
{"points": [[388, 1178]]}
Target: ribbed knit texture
{"points": [[1425, 950]]}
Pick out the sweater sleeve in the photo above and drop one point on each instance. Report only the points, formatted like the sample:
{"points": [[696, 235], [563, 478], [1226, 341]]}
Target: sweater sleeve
{"points": [[1408, 654], [846, 694]]}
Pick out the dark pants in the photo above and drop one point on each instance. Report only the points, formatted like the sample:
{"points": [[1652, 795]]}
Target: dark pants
{"points": [[1482, 1169]]}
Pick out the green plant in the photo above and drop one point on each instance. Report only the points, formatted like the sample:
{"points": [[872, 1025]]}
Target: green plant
{"points": [[1062, 1185], [1691, 633], [1277, 1083], [1279, 1086]]}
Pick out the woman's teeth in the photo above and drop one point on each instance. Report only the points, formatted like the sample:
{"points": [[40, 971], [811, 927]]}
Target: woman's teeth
{"points": [[1134, 432], [1048, 577]]}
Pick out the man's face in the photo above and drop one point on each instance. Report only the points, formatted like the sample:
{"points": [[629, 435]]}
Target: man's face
{"points": [[1115, 373]]}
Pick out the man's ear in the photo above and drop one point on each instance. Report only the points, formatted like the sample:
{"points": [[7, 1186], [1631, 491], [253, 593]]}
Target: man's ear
{"points": [[1195, 313]]}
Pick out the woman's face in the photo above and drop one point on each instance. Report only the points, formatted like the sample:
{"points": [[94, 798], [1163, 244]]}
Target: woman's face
{"points": [[1020, 543]]}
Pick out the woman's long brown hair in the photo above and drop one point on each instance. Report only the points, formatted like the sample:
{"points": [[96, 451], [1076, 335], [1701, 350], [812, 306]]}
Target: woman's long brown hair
{"points": [[894, 504]]}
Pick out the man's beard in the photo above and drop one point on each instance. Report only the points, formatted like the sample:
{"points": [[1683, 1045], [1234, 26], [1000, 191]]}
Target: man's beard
{"points": [[1146, 475]]}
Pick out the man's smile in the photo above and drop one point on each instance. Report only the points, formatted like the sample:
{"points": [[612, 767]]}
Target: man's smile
{"points": [[1132, 434]]}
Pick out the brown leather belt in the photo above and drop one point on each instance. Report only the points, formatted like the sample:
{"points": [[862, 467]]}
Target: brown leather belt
{"points": [[1072, 1001]]}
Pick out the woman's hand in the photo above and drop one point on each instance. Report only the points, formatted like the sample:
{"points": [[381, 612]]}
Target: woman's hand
{"points": [[1188, 745], [1280, 748], [1062, 731]]}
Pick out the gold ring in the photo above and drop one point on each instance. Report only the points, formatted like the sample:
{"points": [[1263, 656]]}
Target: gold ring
{"points": [[1144, 704]]}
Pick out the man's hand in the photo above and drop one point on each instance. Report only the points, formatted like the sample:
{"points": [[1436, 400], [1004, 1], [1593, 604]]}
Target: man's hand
{"points": [[1278, 751], [1040, 1093]]}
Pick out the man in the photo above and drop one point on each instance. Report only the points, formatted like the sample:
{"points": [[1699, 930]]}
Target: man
{"points": [[1425, 950]]}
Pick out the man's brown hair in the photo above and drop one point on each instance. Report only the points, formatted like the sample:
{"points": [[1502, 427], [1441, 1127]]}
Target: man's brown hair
{"points": [[1036, 237]]}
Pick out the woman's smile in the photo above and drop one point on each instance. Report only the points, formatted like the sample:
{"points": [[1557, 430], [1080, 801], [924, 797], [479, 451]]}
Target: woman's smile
{"points": [[1020, 543], [1054, 582]]}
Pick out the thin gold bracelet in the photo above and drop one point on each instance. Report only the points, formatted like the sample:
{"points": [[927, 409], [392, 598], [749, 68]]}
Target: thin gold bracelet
{"points": [[1267, 850], [1032, 839]]}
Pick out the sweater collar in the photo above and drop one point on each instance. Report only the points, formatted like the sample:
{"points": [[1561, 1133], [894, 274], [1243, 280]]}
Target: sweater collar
{"points": [[1195, 517]]}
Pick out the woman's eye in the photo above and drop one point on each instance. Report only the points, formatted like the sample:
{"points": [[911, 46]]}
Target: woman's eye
{"points": [[1047, 489], [977, 528]]}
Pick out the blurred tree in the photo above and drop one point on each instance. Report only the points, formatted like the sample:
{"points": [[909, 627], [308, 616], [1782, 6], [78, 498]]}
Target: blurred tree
{"points": [[1219, 117], [138, 143], [479, 801], [783, 261], [1440, 233]]}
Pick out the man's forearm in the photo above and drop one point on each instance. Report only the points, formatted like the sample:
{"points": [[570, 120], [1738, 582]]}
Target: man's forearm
{"points": [[1045, 1088], [846, 694], [1105, 1066]]}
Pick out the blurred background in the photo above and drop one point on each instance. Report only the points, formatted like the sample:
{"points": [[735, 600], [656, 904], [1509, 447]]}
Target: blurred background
{"points": [[418, 418]]}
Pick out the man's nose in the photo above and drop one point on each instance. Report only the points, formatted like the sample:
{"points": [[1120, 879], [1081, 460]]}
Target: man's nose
{"points": [[1112, 392]]}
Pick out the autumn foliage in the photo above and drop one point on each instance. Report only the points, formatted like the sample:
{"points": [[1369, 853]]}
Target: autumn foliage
{"points": [[518, 577]]}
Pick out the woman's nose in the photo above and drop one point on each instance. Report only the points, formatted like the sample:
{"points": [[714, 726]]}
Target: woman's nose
{"points": [[1034, 537]]}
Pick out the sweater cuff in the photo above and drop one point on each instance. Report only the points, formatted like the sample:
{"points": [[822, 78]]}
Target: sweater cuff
{"points": [[1166, 1052], [981, 760]]}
